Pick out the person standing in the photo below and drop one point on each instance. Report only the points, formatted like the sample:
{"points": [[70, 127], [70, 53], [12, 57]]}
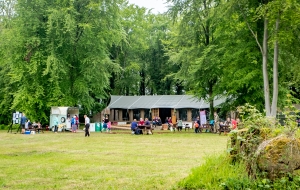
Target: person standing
{"points": [[55, 123], [23, 121], [197, 125], [106, 120], [87, 125], [39, 127], [216, 122], [179, 124], [73, 124], [77, 121]]}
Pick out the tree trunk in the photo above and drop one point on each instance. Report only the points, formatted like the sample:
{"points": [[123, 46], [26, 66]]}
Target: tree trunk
{"points": [[275, 73], [265, 68], [211, 102]]}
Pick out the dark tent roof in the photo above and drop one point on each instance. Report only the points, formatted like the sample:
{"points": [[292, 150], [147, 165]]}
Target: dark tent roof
{"points": [[159, 101]]}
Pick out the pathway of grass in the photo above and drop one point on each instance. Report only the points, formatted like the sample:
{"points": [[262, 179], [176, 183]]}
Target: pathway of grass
{"points": [[102, 161]]}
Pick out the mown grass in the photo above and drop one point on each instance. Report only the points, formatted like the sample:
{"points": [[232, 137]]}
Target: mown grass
{"points": [[102, 161]]}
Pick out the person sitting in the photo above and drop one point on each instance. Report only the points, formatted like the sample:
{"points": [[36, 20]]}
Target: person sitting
{"points": [[170, 124], [233, 124], [142, 122], [134, 126], [154, 121], [167, 120], [228, 121], [147, 123], [159, 123]]}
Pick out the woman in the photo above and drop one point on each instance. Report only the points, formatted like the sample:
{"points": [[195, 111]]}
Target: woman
{"points": [[74, 124]]}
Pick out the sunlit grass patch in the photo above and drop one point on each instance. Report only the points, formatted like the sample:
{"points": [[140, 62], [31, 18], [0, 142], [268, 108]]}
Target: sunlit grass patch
{"points": [[102, 161]]}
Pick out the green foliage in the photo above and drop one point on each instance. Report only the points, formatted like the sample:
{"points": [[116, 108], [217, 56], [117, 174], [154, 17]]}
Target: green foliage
{"points": [[256, 128], [57, 54], [218, 172]]}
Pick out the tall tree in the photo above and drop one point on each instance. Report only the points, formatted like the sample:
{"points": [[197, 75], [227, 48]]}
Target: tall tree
{"points": [[58, 52], [196, 47], [272, 13]]}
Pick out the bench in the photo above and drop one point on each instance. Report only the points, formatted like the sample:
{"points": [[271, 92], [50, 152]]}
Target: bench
{"points": [[187, 126], [146, 129]]}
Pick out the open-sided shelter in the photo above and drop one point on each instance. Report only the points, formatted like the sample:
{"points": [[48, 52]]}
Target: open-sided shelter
{"points": [[185, 107]]}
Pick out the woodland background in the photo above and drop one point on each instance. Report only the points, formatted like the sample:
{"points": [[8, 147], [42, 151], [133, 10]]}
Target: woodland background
{"points": [[78, 52]]}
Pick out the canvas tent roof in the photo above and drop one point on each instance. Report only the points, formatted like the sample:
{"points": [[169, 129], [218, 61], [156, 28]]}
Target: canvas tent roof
{"points": [[159, 101]]}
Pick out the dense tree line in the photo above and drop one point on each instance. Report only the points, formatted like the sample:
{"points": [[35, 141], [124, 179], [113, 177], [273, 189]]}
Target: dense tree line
{"points": [[77, 53]]}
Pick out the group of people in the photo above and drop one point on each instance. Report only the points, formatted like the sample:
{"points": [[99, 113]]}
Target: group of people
{"points": [[216, 123], [229, 122], [135, 126], [26, 124], [156, 121], [74, 123]]}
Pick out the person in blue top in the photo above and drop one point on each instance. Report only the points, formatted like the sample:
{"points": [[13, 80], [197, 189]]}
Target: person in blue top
{"points": [[134, 126], [147, 122], [73, 124], [55, 124], [23, 121]]}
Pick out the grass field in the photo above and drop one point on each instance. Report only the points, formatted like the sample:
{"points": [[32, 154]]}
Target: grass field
{"points": [[102, 161]]}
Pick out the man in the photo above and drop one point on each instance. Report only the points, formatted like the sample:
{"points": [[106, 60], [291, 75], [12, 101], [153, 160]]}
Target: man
{"points": [[23, 121], [134, 126], [87, 125], [216, 118]]}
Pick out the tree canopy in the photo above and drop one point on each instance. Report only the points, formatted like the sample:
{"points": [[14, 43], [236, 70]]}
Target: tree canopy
{"points": [[77, 53]]}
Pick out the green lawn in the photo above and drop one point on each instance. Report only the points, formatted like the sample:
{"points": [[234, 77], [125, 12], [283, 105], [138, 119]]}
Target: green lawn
{"points": [[102, 161]]}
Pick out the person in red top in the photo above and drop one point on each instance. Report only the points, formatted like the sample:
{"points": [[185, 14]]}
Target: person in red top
{"points": [[233, 124], [77, 121], [141, 122]]}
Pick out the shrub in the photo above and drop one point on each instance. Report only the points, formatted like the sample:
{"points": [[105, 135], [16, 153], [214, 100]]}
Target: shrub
{"points": [[216, 173]]}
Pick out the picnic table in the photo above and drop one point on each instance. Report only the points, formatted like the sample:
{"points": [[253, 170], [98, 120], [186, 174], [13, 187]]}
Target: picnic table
{"points": [[146, 129], [224, 129], [206, 127]]}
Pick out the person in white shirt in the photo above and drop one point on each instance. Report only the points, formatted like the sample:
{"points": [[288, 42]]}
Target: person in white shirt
{"points": [[87, 125]]}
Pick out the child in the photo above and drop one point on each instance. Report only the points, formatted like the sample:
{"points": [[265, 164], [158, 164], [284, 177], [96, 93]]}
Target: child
{"points": [[196, 125], [39, 127], [109, 127]]}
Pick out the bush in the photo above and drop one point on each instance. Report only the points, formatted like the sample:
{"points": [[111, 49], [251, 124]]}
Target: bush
{"points": [[4, 127], [218, 172]]}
